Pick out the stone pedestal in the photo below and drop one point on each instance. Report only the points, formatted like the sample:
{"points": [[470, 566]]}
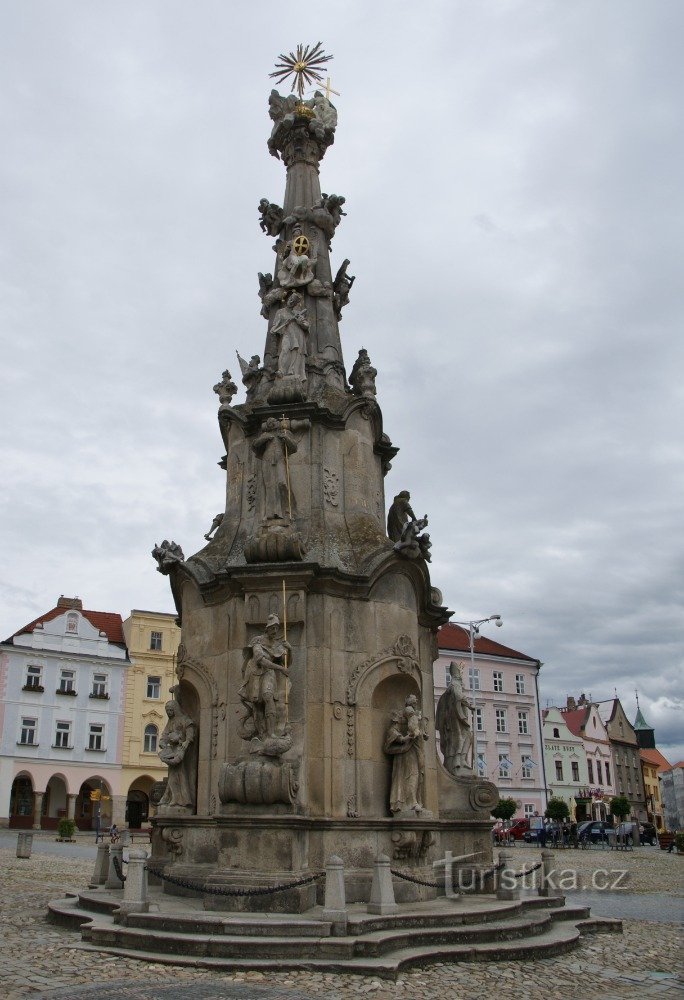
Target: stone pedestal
{"points": [[505, 876], [71, 806], [382, 899], [24, 845], [113, 880], [334, 907], [101, 869], [135, 898]]}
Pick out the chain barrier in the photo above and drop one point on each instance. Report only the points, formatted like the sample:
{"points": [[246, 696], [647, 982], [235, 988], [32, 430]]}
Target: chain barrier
{"points": [[440, 885], [216, 890], [118, 869], [529, 871]]}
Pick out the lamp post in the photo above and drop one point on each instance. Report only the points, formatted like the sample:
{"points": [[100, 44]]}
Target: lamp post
{"points": [[474, 630]]}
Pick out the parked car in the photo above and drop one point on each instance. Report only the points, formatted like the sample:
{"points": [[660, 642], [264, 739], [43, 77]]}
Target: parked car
{"points": [[647, 833], [593, 831], [519, 828], [553, 831]]}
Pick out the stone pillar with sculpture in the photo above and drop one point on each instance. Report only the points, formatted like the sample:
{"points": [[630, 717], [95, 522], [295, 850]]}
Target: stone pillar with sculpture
{"points": [[303, 725]]}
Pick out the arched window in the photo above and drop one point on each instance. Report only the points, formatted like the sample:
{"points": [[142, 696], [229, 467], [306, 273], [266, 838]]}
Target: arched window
{"points": [[151, 735]]}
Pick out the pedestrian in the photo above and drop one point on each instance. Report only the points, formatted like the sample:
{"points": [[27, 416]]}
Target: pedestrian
{"points": [[114, 833]]}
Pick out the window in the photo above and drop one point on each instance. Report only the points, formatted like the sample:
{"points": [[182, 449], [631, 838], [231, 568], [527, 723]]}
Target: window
{"points": [[528, 810], [520, 687], [599, 776], [28, 732], [34, 675], [155, 640], [154, 687], [498, 680], [575, 770], [556, 733], [482, 765], [523, 724], [526, 768], [474, 678], [590, 768], [607, 774], [504, 766], [559, 770], [72, 623], [150, 741], [63, 734], [501, 726], [479, 721], [95, 736], [99, 686], [66, 682]]}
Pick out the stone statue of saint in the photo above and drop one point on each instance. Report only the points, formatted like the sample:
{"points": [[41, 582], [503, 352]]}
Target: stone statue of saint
{"points": [[264, 678], [400, 514], [454, 723], [298, 265], [362, 377], [179, 733], [273, 444], [290, 325], [404, 744]]}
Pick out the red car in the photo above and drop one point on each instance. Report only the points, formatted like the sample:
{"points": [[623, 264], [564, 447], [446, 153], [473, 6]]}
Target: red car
{"points": [[516, 830]]}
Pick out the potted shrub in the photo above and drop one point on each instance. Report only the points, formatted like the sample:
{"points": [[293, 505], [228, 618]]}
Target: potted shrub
{"points": [[65, 829]]}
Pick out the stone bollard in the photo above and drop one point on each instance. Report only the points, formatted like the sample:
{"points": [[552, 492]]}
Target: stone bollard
{"points": [[335, 906], [546, 887], [101, 869], [135, 898], [382, 890], [113, 880], [506, 884], [24, 845]]}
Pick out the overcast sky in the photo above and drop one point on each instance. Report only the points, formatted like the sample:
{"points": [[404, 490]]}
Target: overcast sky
{"points": [[513, 181]]}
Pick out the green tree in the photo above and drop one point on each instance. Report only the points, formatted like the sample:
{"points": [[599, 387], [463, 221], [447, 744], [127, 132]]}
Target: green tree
{"points": [[620, 806], [557, 809], [504, 809], [65, 828]]}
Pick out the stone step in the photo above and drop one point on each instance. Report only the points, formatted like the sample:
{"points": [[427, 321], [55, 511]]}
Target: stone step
{"points": [[557, 939], [249, 926]]}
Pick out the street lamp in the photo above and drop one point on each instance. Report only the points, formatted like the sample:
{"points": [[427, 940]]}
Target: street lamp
{"points": [[474, 630]]}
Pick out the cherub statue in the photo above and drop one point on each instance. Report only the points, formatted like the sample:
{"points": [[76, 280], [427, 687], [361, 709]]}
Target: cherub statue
{"points": [[168, 555], [341, 288], [271, 217], [334, 203], [251, 373]]}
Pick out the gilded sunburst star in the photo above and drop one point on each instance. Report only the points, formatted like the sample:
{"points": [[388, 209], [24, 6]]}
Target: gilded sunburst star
{"points": [[305, 66]]}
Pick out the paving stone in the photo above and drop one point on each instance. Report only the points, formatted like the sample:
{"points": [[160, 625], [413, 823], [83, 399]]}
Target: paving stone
{"points": [[43, 960]]}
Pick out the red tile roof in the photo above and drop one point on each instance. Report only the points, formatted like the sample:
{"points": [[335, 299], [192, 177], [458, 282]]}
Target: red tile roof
{"points": [[104, 621], [575, 719], [655, 758], [456, 639]]}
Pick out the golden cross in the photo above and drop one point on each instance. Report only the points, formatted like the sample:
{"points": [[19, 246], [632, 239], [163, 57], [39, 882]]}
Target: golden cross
{"points": [[329, 90]]}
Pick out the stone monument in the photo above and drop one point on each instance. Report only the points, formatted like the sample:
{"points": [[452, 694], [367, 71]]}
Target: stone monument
{"points": [[303, 724]]}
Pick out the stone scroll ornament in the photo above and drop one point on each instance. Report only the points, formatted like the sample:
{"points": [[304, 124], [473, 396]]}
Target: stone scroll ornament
{"points": [[167, 554], [179, 733], [453, 721], [406, 733], [404, 528]]}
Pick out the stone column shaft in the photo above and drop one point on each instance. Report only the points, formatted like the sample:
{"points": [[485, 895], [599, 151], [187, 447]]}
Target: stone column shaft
{"points": [[37, 809]]}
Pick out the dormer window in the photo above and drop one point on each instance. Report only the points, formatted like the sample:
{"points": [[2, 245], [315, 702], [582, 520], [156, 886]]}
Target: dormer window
{"points": [[72, 623]]}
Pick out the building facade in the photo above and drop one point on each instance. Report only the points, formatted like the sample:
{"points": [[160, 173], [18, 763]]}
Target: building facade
{"points": [[565, 764], [62, 690], [624, 748], [652, 765], [583, 719], [502, 685], [672, 793], [152, 638]]}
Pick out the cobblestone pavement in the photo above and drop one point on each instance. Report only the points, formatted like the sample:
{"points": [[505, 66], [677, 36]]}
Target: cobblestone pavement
{"points": [[41, 960]]}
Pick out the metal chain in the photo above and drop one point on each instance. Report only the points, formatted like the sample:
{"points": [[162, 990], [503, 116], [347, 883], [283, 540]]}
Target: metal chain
{"points": [[117, 868], [219, 891], [440, 884], [529, 870]]}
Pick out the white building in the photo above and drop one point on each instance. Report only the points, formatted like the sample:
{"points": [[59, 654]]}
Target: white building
{"points": [[566, 762], [502, 684], [584, 720], [62, 689], [672, 795]]}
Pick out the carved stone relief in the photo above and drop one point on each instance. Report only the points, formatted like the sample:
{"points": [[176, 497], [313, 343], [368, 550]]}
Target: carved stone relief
{"points": [[331, 487]]}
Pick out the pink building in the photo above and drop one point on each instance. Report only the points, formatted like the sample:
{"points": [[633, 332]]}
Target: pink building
{"points": [[502, 684]]}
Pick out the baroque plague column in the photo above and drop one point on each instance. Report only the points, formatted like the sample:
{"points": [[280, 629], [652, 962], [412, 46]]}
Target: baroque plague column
{"points": [[308, 632]]}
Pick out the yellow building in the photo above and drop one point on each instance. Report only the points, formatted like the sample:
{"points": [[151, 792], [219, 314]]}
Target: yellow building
{"points": [[152, 638], [652, 764]]}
